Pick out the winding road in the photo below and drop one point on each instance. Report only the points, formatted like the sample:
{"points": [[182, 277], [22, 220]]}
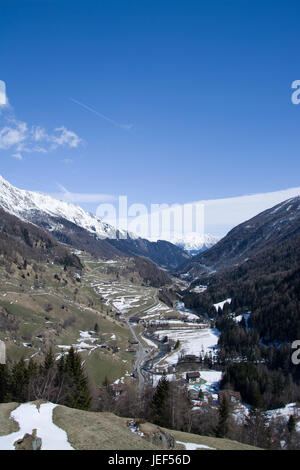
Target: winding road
{"points": [[142, 353]]}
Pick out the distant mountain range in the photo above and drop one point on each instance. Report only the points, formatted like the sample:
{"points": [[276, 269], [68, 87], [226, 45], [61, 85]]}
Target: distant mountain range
{"points": [[73, 226], [194, 243], [266, 230]]}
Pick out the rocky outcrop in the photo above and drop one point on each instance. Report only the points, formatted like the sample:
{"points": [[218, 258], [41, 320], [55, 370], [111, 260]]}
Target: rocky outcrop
{"points": [[154, 434], [29, 442]]}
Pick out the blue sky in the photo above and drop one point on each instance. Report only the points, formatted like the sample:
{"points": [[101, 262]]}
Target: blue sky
{"points": [[192, 99]]}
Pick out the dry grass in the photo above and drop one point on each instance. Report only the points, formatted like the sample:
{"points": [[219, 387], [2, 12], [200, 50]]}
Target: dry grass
{"points": [[106, 431], [7, 425], [214, 442], [98, 431]]}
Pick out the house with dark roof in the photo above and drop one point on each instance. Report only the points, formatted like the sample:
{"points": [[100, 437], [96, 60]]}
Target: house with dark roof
{"points": [[192, 376]]}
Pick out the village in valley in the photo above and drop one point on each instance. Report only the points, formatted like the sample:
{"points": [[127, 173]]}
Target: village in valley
{"points": [[173, 341]]}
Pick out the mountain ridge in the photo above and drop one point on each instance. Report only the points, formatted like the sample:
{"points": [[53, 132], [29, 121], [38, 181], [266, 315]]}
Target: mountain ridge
{"points": [[268, 228], [71, 225]]}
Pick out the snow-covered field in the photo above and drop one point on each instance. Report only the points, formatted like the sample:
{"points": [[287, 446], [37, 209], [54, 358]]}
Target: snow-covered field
{"points": [[123, 297], [86, 342], [192, 341], [29, 417], [213, 378], [286, 412]]}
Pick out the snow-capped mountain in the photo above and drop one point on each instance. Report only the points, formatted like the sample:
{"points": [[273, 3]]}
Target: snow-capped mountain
{"points": [[30, 205], [194, 243], [73, 226]]}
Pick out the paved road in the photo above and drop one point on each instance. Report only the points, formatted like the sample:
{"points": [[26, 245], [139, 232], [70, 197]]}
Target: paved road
{"points": [[141, 357], [142, 353]]}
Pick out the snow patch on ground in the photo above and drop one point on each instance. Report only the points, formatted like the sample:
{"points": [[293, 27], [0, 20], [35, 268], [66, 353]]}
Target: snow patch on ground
{"points": [[289, 410], [221, 304], [29, 417], [192, 446], [149, 342]]}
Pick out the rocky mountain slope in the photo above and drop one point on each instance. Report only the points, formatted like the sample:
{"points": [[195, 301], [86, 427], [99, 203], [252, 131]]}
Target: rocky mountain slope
{"points": [[71, 225], [256, 266], [161, 252], [22, 241], [33, 206], [268, 229]]}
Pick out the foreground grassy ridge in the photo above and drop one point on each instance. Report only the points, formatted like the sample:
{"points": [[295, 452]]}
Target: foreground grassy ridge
{"points": [[98, 431], [7, 425], [214, 442], [106, 431]]}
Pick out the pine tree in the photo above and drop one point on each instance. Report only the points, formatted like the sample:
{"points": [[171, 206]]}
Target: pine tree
{"points": [[159, 403], [291, 425], [49, 360], [79, 396], [222, 427], [19, 381], [4, 383]]}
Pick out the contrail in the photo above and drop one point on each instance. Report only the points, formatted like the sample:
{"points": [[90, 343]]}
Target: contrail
{"points": [[127, 127]]}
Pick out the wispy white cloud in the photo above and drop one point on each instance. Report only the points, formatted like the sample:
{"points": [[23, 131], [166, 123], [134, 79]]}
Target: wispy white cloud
{"points": [[18, 136], [65, 137], [17, 156], [221, 215], [21, 138], [126, 127], [77, 198], [13, 135]]}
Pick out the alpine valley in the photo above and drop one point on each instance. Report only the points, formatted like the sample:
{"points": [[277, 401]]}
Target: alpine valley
{"points": [[126, 343]]}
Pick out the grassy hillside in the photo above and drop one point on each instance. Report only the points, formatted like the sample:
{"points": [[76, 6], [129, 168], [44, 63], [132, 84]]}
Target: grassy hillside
{"points": [[106, 431], [42, 306]]}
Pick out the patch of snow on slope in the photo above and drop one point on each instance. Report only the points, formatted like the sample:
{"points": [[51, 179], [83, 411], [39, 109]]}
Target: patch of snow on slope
{"points": [[192, 446], [149, 342], [29, 417], [286, 412], [221, 304]]}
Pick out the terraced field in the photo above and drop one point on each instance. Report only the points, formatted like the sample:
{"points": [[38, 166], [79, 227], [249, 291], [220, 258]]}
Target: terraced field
{"points": [[43, 306], [58, 310]]}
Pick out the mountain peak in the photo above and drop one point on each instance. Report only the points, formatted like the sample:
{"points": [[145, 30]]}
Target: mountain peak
{"points": [[26, 204]]}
